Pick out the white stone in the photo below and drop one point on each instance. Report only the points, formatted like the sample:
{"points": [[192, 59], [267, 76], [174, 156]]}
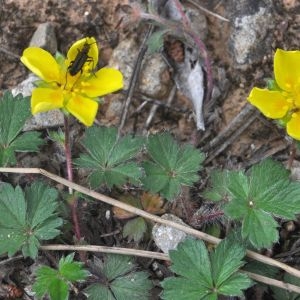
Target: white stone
{"points": [[167, 238]]}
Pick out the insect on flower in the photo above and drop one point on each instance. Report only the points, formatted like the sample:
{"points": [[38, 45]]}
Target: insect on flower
{"points": [[81, 58], [71, 84]]}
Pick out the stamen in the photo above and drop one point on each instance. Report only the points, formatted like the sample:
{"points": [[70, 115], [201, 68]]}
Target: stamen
{"points": [[294, 115]]}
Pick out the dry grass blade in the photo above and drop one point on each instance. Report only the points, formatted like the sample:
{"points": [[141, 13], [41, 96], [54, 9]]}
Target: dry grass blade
{"points": [[207, 11]]}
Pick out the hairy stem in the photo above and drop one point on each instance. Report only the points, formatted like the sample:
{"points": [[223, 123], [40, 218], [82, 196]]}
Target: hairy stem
{"points": [[185, 31], [73, 202]]}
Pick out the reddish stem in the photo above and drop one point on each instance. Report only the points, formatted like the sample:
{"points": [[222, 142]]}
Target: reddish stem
{"points": [[201, 47], [73, 203]]}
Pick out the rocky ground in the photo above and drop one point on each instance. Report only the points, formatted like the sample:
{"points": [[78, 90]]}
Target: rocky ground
{"points": [[240, 47]]}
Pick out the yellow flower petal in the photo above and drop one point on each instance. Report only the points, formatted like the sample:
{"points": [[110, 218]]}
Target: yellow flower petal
{"points": [[271, 103], [41, 63], [84, 109], [293, 126], [44, 99], [103, 82], [92, 55], [287, 69]]}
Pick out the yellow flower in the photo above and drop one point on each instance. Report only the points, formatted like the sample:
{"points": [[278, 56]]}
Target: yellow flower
{"points": [[77, 94], [282, 103]]}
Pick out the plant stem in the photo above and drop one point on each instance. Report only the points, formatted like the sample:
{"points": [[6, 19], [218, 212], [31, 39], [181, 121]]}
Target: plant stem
{"points": [[73, 202]]}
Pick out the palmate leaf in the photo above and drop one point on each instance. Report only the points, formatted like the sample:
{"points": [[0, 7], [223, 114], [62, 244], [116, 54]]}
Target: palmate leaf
{"points": [[256, 197], [121, 282], [109, 157], [205, 276], [56, 282], [171, 167], [26, 219], [14, 111]]}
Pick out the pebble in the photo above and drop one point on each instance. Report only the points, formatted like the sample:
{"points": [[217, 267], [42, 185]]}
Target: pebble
{"points": [[251, 22], [165, 237], [124, 58], [44, 37], [52, 118]]}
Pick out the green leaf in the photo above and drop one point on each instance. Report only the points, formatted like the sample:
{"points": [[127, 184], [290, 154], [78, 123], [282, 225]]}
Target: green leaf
{"points": [[235, 285], [171, 167], [135, 229], [219, 183], [181, 288], [44, 276], [28, 141], [226, 260], [26, 219], [72, 270], [119, 280], [134, 285], [256, 197], [97, 291], [56, 282], [261, 269], [58, 290], [191, 260], [116, 265], [204, 276], [14, 111], [260, 228], [109, 157], [156, 41]]}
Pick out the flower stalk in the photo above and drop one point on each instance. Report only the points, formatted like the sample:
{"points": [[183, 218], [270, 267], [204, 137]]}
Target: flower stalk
{"points": [[72, 85]]}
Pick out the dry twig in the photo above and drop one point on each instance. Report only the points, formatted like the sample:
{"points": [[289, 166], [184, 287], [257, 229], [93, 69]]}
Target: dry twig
{"points": [[134, 78]]}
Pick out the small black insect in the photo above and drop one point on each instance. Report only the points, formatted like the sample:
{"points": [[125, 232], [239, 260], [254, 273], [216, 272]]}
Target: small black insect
{"points": [[81, 58]]}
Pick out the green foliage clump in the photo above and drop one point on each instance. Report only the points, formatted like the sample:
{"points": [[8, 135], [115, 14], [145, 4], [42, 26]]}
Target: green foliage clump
{"points": [[14, 111], [119, 280], [204, 275], [54, 282], [171, 165], [109, 158], [256, 198], [27, 218]]}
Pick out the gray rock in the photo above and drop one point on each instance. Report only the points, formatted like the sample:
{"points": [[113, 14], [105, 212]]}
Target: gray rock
{"points": [[44, 37], [52, 118], [124, 57], [150, 79], [49, 119], [167, 238], [26, 86], [251, 23]]}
